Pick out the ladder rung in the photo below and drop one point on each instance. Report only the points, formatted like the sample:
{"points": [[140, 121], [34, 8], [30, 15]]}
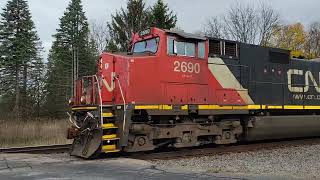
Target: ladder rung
{"points": [[110, 137], [109, 126], [110, 148], [107, 115], [111, 151]]}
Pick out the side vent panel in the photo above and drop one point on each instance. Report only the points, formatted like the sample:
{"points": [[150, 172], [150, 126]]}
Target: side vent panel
{"points": [[231, 49], [223, 48], [215, 48], [280, 57]]}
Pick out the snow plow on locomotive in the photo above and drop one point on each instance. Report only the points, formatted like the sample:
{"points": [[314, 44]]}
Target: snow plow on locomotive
{"points": [[180, 90]]}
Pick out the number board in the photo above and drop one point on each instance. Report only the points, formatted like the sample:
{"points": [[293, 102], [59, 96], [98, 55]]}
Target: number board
{"points": [[186, 67], [145, 32]]}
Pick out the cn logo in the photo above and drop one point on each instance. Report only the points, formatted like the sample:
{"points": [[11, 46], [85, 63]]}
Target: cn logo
{"points": [[308, 78], [106, 66], [110, 87]]}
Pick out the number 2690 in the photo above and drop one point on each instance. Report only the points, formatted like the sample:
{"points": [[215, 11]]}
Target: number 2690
{"points": [[186, 67]]}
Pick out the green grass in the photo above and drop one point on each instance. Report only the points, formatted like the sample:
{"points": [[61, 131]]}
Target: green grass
{"points": [[33, 132]]}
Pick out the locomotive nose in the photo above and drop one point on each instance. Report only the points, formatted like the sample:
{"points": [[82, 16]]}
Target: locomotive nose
{"points": [[114, 71], [107, 71]]}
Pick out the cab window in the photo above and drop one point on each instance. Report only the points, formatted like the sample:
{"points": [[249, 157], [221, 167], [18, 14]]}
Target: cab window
{"points": [[181, 48], [170, 45], [190, 49], [150, 45], [201, 50]]}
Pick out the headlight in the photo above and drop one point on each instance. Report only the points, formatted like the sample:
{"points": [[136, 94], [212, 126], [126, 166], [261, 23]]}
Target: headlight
{"points": [[83, 99], [71, 101]]}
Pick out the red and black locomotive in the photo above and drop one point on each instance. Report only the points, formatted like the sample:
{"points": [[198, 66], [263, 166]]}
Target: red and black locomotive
{"points": [[177, 89]]}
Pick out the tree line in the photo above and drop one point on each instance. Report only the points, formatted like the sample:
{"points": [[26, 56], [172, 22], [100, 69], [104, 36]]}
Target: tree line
{"points": [[262, 25], [33, 87]]}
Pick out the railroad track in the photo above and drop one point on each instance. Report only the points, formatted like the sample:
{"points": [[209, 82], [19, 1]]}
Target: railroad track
{"points": [[176, 153], [38, 149], [218, 150]]}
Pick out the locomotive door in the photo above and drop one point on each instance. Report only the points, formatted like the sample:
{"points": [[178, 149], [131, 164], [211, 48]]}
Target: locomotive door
{"points": [[107, 66], [269, 86], [185, 80], [244, 79], [277, 84]]}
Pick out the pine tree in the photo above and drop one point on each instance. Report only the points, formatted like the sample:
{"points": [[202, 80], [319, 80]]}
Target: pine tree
{"points": [[111, 46], [20, 52], [133, 19], [162, 17], [36, 87], [71, 42]]}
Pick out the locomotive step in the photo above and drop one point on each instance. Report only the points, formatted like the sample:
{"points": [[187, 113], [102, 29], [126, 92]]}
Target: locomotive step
{"points": [[107, 114], [109, 126], [108, 105], [110, 148], [109, 137]]}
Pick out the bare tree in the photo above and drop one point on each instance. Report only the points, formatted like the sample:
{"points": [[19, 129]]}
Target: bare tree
{"points": [[214, 28], [245, 23], [99, 33], [312, 46], [267, 21], [240, 23]]}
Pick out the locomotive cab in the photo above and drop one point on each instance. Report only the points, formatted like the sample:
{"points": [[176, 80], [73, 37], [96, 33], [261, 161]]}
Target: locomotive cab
{"points": [[164, 66]]}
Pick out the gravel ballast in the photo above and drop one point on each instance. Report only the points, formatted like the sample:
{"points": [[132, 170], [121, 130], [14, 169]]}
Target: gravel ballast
{"points": [[292, 162]]}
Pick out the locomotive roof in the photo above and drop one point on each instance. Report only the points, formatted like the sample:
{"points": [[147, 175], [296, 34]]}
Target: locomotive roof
{"points": [[186, 35], [317, 59], [203, 38], [250, 45]]}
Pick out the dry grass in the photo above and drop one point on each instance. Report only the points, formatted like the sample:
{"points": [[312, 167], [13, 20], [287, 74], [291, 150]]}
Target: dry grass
{"points": [[33, 132]]}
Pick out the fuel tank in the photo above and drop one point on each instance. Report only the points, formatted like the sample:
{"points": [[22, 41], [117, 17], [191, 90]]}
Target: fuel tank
{"points": [[280, 127]]}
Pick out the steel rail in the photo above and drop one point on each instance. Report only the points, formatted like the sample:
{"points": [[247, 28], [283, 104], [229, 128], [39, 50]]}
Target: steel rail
{"points": [[38, 149], [177, 153], [223, 149]]}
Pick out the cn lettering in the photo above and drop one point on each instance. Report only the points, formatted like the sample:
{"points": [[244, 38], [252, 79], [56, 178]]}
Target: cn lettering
{"points": [[308, 81]]}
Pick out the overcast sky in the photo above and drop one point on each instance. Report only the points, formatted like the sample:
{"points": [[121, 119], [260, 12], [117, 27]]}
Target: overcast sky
{"points": [[192, 14]]}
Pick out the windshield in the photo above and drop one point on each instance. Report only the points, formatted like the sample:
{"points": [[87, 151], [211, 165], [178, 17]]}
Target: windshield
{"points": [[150, 45]]}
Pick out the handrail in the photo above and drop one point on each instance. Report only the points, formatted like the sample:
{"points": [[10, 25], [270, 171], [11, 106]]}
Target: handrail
{"points": [[100, 96], [72, 122], [124, 103]]}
